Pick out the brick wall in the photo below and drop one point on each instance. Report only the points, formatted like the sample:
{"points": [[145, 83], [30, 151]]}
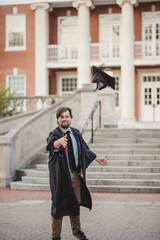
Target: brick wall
{"points": [[23, 60]]}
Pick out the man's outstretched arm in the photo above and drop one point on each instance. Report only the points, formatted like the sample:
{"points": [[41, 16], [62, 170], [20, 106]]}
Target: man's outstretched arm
{"points": [[102, 161]]}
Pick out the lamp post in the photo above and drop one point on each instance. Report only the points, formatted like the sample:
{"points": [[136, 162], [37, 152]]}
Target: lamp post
{"points": [[109, 71]]}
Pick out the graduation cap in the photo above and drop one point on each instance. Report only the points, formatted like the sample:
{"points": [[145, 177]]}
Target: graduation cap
{"points": [[102, 79]]}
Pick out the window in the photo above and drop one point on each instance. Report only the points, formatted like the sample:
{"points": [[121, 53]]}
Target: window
{"points": [[68, 38], [151, 34], [17, 85], [68, 30], [15, 32], [109, 33], [68, 85]]}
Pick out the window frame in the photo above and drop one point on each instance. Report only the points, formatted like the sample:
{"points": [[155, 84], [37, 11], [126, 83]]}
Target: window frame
{"points": [[15, 48], [19, 75], [65, 77]]}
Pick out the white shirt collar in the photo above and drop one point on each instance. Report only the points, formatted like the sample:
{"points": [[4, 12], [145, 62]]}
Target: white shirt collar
{"points": [[65, 130]]}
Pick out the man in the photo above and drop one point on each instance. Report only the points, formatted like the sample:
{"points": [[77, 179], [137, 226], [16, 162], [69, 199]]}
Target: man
{"points": [[69, 156]]}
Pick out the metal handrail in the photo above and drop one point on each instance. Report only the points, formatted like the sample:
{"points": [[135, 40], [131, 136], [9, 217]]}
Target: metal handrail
{"points": [[91, 118]]}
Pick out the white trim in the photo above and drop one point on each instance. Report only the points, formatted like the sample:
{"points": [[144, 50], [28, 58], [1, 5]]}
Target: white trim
{"points": [[141, 74], [60, 75], [19, 75], [73, 23], [15, 48], [64, 3]]}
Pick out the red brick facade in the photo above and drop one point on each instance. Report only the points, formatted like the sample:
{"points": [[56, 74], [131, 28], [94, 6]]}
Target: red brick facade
{"points": [[24, 61]]}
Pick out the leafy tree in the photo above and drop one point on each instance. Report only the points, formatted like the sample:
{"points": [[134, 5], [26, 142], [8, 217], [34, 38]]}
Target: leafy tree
{"points": [[5, 98]]}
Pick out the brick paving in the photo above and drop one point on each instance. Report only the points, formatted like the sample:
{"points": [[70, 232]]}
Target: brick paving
{"points": [[26, 215]]}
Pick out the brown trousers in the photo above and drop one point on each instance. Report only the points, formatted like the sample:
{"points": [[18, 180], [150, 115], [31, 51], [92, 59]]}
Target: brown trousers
{"points": [[74, 220]]}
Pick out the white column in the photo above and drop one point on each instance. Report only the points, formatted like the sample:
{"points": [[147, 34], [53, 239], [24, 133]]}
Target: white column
{"points": [[127, 64], [83, 40], [41, 44]]}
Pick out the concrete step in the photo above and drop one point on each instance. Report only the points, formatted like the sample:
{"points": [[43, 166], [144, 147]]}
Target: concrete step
{"points": [[29, 186], [125, 146], [124, 182], [124, 169], [33, 173], [122, 175], [125, 140], [131, 156], [93, 188], [134, 164], [35, 180], [42, 167], [154, 163], [124, 189], [125, 151], [92, 181], [109, 156], [139, 133], [128, 130], [104, 135]]}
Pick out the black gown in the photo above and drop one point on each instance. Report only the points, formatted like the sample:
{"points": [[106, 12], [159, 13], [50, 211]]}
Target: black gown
{"points": [[64, 201]]}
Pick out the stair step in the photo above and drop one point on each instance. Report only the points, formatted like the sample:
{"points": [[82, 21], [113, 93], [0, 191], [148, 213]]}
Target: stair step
{"points": [[131, 156], [126, 182], [143, 163], [125, 146], [34, 173], [125, 151], [35, 180], [127, 130], [126, 140], [124, 189], [29, 187], [134, 164], [42, 167], [122, 175], [123, 169]]}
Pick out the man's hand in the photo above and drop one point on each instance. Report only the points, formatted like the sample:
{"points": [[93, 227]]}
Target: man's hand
{"points": [[62, 141], [101, 161]]}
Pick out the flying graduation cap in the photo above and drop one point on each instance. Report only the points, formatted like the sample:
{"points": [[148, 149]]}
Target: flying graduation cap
{"points": [[102, 79]]}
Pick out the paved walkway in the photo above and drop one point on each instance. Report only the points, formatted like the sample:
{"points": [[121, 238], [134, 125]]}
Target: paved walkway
{"points": [[26, 215]]}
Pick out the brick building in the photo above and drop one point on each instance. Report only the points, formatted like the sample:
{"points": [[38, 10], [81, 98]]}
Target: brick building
{"points": [[49, 48]]}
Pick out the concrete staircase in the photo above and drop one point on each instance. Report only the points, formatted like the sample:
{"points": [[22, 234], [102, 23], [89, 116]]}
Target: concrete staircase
{"points": [[134, 164]]}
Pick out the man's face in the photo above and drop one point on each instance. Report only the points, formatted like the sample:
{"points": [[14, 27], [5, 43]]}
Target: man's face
{"points": [[64, 120]]}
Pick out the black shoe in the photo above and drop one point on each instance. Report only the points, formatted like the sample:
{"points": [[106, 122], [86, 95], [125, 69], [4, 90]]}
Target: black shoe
{"points": [[80, 235], [56, 238]]}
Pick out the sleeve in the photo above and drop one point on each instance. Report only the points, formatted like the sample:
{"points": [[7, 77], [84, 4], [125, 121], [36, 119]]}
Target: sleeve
{"points": [[89, 155], [51, 138]]}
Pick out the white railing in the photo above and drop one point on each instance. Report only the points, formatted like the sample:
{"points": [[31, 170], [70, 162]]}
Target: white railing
{"points": [[146, 49], [102, 51], [28, 103], [62, 53], [98, 51]]}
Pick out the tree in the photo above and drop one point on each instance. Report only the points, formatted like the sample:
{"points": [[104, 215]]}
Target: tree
{"points": [[5, 98]]}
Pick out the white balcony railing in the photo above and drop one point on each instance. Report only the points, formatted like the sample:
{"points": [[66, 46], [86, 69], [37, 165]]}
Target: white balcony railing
{"points": [[102, 52], [62, 53], [147, 49]]}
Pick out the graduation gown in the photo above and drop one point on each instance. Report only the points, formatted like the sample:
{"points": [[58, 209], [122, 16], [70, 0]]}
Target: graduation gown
{"points": [[64, 201]]}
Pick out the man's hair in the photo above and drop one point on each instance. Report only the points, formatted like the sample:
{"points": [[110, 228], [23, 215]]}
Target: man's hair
{"points": [[63, 109]]}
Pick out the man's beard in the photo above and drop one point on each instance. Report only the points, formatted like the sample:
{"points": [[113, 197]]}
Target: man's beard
{"points": [[65, 125]]}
